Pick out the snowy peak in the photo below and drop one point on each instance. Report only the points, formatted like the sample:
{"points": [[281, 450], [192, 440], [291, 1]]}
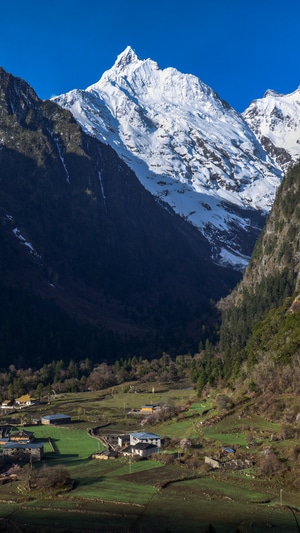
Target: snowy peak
{"points": [[188, 147], [271, 92], [125, 58], [275, 119]]}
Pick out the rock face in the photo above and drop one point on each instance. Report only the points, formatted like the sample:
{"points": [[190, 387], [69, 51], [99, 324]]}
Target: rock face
{"points": [[186, 146], [78, 229]]}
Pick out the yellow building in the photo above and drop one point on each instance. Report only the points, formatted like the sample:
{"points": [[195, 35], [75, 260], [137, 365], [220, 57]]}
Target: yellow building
{"points": [[25, 400]]}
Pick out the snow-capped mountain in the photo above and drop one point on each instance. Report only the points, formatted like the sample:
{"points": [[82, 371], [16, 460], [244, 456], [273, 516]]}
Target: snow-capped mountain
{"points": [[188, 147], [91, 265], [275, 119]]}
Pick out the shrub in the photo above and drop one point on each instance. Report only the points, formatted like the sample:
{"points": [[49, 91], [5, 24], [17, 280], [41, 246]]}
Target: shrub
{"points": [[224, 402], [269, 464], [50, 479]]}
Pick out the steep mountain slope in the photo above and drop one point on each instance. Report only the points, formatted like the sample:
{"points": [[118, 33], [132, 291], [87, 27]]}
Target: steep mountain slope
{"points": [[275, 119], [261, 317], [186, 146], [79, 231]]}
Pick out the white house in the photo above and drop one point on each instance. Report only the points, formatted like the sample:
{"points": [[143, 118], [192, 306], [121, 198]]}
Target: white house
{"points": [[145, 437], [25, 401], [143, 449]]}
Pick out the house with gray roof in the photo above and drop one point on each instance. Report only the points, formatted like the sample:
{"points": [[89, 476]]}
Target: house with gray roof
{"points": [[144, 449], [145, 437], [55, 419], [23, 452]]}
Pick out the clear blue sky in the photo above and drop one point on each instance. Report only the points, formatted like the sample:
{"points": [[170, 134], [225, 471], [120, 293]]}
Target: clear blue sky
{"points": [[239, 48]]}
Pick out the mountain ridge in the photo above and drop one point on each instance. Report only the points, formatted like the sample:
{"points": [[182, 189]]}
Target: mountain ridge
{"points": [[275, 119], [78, 229], [260, 323], [187, 146]]}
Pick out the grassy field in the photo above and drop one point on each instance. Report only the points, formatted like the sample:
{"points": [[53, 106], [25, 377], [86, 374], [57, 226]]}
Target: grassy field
{"points": [[126, 496]]}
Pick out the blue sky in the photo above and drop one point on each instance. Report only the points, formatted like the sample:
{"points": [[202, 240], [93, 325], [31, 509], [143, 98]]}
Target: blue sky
{"points": [[239, 48]]}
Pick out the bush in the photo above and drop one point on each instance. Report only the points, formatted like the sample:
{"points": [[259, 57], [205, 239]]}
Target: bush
{"points": [[50, 479], [224, 402], [269, 463]]}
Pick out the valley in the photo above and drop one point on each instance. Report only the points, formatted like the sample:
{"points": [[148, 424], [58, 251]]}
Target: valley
{"points": [[254, 489], [149, 288]]}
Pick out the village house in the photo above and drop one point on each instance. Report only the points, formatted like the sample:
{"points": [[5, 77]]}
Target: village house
{"points": [[55, 419], [22, 436], [123, 440], [147, 409], [140, 443], [104, 455], [23, 452], [7, 404], [25, 401], [144, 449], [140, 449], [143, 436]]}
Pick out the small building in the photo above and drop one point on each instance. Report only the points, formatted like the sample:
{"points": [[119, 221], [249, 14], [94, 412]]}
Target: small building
{"points": [[20, 452], [21, 436], [104, 455], [25, 401], [55, 419], [127, 451], [123, 440], [143, 449], [147, 409], [144, 436], [7, 404]]}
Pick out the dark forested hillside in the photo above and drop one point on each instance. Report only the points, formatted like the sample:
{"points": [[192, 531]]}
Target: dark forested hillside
{"points": [[261, 318], [91, 264]]}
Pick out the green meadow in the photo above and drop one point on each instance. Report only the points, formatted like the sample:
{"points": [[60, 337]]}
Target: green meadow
{"points": [[176, 495]]}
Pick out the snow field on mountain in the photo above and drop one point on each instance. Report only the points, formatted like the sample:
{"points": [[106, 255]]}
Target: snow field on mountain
{"points": [[186, 146]]}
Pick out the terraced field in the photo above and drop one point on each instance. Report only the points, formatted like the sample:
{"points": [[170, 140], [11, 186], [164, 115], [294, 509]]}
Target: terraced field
{"points": [[173, 493]]}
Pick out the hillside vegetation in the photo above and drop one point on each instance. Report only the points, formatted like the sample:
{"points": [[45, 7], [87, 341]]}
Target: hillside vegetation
{"points": [[260, 324]]}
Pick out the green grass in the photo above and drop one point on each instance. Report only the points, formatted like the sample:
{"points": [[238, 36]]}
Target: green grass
{"points": [[43, 520], [7, 509], [221, 487], [114, 400], [232, 431], [72, 446], [115, 480], [118, 495], [197, 408]]}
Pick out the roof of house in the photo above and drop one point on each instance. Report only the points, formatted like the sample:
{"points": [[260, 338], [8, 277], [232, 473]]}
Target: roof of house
{"points": [[128, 449], [20, 434], [55, 417], [23, 445], [144, 446], [107, 453], [25, 398], [142, 435]]}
